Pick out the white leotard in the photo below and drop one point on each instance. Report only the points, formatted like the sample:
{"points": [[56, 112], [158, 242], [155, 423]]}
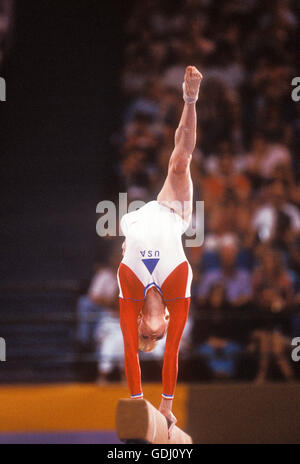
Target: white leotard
{"points": [[153, 244]]}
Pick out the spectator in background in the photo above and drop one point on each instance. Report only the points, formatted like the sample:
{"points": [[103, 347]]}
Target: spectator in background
{"points": [[266, 215], [273, 296], [135, 181], [108, 335], [225, 182], [236, 282], [148, 103], [98, 318], [214, 333], [265, 157]]}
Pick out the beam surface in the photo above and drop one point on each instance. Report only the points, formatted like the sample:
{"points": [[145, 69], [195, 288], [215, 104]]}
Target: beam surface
{"points": [[139, 420]]}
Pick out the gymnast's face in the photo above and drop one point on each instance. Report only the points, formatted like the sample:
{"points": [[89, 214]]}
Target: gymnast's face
{"points": [[152, 329], [154, 318]]}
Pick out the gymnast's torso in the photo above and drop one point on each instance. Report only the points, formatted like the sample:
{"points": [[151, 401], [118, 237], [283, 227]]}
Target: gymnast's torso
{"points": [[154, 254]]}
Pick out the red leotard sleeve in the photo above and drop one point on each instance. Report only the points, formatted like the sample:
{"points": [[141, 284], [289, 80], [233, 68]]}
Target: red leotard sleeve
{"points": [[129, 311], [174, 288], [178, 310], [130, 307]]}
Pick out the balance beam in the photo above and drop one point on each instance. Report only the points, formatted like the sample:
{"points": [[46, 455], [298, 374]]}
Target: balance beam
{"points": [[138, 421]]}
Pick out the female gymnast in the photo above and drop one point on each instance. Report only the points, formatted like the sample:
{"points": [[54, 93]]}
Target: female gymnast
{"points": [[154, 273]]}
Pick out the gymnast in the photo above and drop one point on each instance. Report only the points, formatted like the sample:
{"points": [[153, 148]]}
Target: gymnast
{"points": [[154, 275]]}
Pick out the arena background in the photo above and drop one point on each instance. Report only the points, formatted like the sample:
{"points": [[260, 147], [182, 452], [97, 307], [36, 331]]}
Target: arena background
{"points": [[93, 99]]}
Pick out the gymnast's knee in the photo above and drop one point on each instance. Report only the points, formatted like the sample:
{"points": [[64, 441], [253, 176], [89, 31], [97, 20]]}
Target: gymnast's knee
{"points": [[180, 164]]}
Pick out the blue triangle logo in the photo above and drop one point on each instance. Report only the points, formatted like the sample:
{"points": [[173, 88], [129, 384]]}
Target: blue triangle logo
{"points": [[150, 264]]}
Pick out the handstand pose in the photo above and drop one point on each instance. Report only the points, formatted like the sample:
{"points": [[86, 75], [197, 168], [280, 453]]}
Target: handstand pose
{"points": [[154, 272]]}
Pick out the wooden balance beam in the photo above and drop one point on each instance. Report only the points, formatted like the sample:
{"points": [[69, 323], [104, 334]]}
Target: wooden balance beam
{"points": [[137, 421]]}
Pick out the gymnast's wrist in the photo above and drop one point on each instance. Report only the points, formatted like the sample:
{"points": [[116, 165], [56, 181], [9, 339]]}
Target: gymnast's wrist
{"points": [[166, 404]]}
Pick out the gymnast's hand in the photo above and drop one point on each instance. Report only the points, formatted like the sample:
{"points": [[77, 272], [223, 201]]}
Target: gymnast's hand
{"points": [[167, 412]]}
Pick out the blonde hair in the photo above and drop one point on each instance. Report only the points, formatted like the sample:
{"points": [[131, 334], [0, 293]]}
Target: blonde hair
{"points": [[146, 344]]}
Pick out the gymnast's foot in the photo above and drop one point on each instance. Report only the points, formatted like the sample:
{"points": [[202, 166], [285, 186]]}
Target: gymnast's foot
{"points": [[192, 81]]}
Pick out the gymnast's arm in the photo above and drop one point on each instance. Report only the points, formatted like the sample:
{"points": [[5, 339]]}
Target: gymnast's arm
{"points": [[129, 311], [178, 310]]}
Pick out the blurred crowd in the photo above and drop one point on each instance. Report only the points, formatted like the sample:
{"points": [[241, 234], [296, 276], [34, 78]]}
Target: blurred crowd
{"points": [[246, 288], [6, 19]]}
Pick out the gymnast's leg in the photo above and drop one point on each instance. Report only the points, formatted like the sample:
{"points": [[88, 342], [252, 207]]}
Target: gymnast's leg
{"points": [[177, 191]]}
